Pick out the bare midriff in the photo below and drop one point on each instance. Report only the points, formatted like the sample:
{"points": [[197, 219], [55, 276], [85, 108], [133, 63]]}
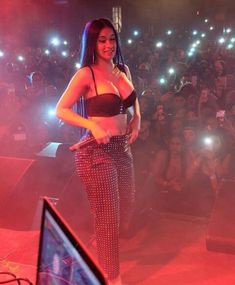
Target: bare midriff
{"points": [[115, 125]]}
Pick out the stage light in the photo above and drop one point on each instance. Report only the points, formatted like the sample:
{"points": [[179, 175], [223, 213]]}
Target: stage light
{"points": [[190, 53], [159, 44], [64, 53], [65, 43], [228, 30], [206, 20], [171, 70], [55, 41], [78, 65], [198, 42], [136, 33], [1, 53], [208, 141], [232, 40], [47, 52], [192, 50], [229, 46], [221, 40], [162, 81], [203, 35], [51, 112], [169, 32], [211, 28], [129, 41], [195, 32], [20, 58]]}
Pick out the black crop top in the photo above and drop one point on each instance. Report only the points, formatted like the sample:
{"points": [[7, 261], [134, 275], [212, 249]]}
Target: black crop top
{"points": [[107, 104]]}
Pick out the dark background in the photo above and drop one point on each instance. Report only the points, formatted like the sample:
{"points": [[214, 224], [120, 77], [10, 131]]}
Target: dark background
{"points": [[34, 20]]}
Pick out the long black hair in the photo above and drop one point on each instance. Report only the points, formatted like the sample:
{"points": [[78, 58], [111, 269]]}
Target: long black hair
{"points": [[88, 53], [89, 41]]}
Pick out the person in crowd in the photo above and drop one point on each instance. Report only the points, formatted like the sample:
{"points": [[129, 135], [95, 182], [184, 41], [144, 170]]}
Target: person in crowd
{"points": [[13, 131], [160, 126], [176, 127], [169, 172], [144, 149], [229, 165], [231, 114], [207, 105], [190, 142], [191, 118], [104, 160], [179, 103], [146, 106], [40, 101], [205, 174]]}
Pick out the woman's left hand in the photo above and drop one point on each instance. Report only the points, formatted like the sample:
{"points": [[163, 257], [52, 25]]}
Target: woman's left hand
{"points": [[133, 128]]}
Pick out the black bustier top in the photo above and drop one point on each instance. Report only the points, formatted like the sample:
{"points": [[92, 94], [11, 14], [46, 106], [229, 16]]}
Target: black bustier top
{"points": [[107, 104]]}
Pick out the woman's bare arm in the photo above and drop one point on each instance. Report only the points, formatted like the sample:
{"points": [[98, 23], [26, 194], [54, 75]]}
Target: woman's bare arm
{"points": [[77, 87]]}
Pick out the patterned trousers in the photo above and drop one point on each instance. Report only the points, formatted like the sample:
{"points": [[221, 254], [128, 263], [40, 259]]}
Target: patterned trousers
{"points": [[106, 170]]}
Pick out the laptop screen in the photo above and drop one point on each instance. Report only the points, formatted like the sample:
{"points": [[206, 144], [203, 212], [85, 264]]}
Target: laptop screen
{"points": [[62, 258]]}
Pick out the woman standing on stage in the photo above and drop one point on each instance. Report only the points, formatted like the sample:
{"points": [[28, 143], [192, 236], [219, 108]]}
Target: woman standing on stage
{"points": [[104, 161]]}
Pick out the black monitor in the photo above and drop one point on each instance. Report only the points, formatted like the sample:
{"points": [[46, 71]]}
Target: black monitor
{"points": [[62, 258]]}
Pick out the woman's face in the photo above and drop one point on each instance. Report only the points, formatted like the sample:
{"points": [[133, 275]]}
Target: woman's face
{"points": [[204, 95], [189, 136], [106, 44], [175, 145], [176, 126], [191, 116], [161, 118], [218, 67]]}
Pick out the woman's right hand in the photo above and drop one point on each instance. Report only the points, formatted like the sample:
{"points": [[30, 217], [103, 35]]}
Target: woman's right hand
{"points": [[101, 136]]}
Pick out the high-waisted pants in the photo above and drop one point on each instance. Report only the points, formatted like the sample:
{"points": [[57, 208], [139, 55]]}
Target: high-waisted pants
{"points": [[106, 170]]}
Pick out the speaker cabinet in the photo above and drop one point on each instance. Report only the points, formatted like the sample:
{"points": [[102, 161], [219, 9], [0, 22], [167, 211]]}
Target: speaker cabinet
{"points": [[12, 169], [52, 174]]}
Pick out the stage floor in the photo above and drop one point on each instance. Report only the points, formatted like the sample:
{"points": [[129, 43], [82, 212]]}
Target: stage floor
{"points": [[169, 250]]}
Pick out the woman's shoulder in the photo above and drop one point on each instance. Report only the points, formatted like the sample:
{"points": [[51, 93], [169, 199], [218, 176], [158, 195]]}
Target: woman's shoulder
{"points": [[124, 71], [84, 74], [84, 71]]}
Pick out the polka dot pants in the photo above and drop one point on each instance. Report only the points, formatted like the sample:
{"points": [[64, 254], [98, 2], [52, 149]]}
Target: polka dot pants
{"points": [[106, 171]]}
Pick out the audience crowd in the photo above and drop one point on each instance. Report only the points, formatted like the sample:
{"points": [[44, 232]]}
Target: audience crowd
{"points": [[186, 145]]}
